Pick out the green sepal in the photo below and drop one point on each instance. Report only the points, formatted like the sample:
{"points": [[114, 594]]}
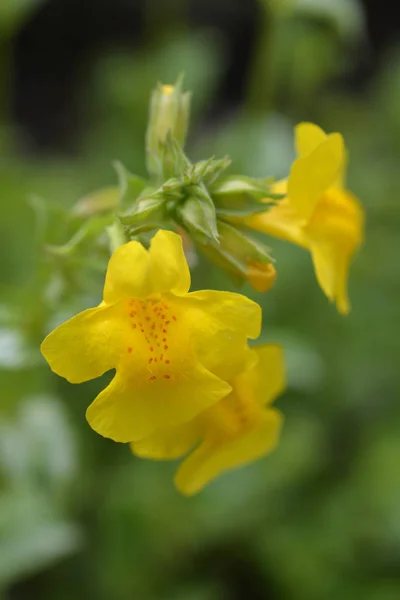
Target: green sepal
{"points": [[234, 184], [197, 216], [242, 205], [208, 171], [150, 208], [133, 232], [174, 161], [225, 261], [242, 245]]}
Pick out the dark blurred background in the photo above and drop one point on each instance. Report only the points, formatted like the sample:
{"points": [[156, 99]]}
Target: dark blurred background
{"points": [[79, 517]]}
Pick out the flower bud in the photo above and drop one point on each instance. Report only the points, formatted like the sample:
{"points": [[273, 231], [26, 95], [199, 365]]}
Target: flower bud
{"points": [[169, 113]]}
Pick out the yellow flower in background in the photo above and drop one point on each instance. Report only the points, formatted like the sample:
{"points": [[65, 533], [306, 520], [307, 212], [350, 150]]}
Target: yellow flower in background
{"points": [[162, 341], [318, 213], [240, 428]]}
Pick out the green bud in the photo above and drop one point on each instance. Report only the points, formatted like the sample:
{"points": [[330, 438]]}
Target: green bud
{"points": [[242, 257], [169, 114]]}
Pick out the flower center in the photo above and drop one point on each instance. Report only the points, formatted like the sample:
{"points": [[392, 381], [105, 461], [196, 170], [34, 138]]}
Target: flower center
{"points": [[150, 322]]}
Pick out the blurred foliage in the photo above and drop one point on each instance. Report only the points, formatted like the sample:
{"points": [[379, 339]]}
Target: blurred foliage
{"points": [[320, 518]]}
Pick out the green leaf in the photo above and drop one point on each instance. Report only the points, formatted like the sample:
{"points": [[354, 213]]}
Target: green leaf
{"points": [[131, 186], [100, 201], [90, 230]]}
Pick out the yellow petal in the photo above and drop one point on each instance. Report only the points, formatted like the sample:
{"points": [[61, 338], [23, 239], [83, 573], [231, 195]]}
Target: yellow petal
{"points": [[266, 379], [281, 221], [261, 276], [338, 218], [221, 323], [134, 272], [311, 175], [130, 409], [308, 136], [210, 460], [331, 268], [86, 346], [335, 232], [128, 273], [160, 381], [169, 268], [168, 444]]}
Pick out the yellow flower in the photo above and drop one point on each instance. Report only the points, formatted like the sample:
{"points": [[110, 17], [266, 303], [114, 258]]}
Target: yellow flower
{"points": [[162, 341], [240, 428], [318, 213]]}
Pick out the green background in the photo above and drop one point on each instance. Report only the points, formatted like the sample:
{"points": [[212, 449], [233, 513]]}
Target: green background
{"points": [[320, 517]]}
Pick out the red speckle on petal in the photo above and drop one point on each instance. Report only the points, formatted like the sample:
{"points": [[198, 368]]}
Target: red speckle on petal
{"points": [[167, 362], [150, 361], [133, 325], [165, 347], [129, 350], [167, 377], [174, 318]]}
